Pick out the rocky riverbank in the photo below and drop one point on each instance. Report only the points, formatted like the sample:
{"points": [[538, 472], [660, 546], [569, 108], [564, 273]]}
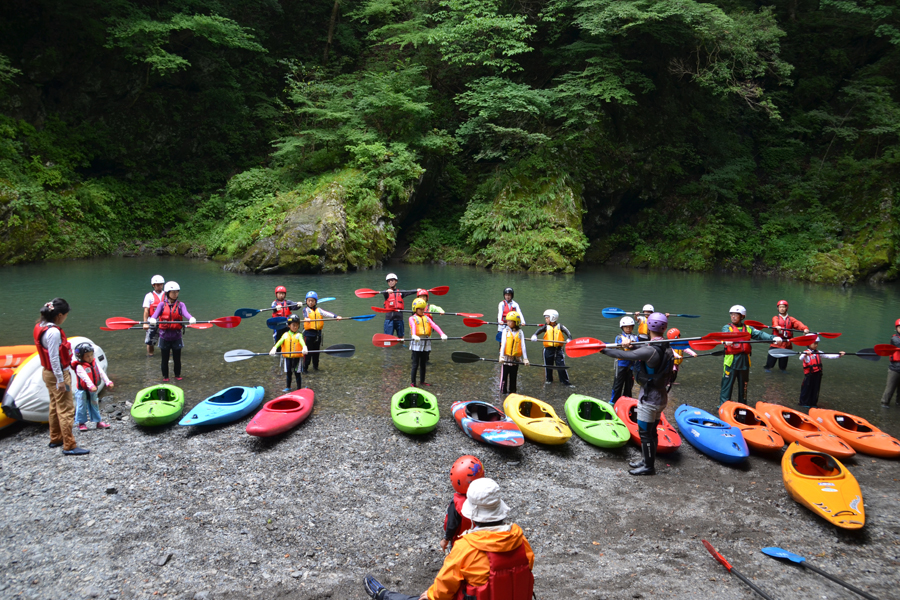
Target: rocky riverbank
{"points": [[217, 514]]}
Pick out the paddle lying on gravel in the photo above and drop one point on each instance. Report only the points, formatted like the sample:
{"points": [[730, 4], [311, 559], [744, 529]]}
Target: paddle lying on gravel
{"points": [[246, 313], [367, 293], [273, 322], [585, 346], [468, 357], [866, 353], [612, 313], [388, 310], [479, 323], [339, 350], [384, 340], [732, 570], [224, 322], [761, 325], [803, 340], [776, 552]]}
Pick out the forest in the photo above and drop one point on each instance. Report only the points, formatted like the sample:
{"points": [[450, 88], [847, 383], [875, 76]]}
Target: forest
{"points": [[538, 135]]}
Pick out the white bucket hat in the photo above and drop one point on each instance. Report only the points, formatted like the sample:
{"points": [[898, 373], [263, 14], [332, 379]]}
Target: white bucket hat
{"points": [[483, 503]]}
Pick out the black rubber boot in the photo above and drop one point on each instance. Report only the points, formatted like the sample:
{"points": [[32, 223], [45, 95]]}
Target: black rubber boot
{"points": [[648, 449]]}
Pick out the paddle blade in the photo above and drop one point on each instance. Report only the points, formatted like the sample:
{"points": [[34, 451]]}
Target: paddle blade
{"points": [[236, 355], [828, 335], [366, 293], [120, 323], [472, 322], [321, 300], [781, 553], [384, 340], [274, 322], [880, 349], [687, 316], [201, 326], [464, 357], [716, 555], [379, 309], [583, 346], [804, 340], [470, 315], [475, 338], [246, 313], [362, 318], [865, 354], [341, 350], [612, 313], [227, 322], [781, 353], [440, 290], [702, 345], [728, 335], [756, 324]]}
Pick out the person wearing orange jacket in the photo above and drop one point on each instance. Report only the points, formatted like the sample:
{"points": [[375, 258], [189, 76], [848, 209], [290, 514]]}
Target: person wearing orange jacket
{"points": [[782, 325], [492, 560]]}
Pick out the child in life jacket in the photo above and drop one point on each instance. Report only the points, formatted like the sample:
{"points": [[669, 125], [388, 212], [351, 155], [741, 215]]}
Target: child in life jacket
{"points": [[420, 327], [512, 353], [507, 306], [812, 373], [623, 381], [554, 336], [674, 334], [464, 471], [88, 376], [282, 307], [393, 301], [429, 308], [641, 322], [293, 349], [312, 329]]}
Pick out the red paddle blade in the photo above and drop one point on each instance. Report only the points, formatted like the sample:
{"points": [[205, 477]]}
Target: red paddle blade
{"points": [[366, 293], [107, 329], [728, 335], [804, 340], [716, 555], [474, 338], [703, 345], [379, 309], [885, 349], [472, 322], [583, 347], [756, 324], [439, 290], [201, 326], [120, 323], [470, 315], [226, 322], [382, 340], [829, 335]]}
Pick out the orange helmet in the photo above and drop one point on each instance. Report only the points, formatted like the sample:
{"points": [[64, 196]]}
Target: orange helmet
{"points": [[673, 334], [464, 471]]}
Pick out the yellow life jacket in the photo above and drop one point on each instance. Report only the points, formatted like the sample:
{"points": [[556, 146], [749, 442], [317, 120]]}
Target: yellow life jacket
{"points": [[423, 326], [513, 344], [553, 337], [316, 322], [679, 356], [292, 344], [642, 326]]}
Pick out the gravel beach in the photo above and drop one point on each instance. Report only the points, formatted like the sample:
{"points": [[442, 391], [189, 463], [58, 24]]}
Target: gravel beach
{"points": [[191, 513]]}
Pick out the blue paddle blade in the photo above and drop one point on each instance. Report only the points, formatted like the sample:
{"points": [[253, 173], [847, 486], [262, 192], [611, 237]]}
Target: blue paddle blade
{"points": [[321, 300], [680, 344], [363, 317], [612, 313], [687, 316], [274, 322], [781, 553], [499, 336]]}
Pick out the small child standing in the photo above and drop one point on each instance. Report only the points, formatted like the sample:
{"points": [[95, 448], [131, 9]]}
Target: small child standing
{"points": [[293, 349], [512, 353], [464, 471], [623, 383], [88, 374], [641, 318], [429, 308], [674, 334], [555, 335], [281, 307], [812, 373], [420, 327]]}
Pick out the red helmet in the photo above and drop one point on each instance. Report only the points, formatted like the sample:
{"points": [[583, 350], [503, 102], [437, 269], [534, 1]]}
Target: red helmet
{"points": [[897, 323], [780, 302], [281, 288], [464, 471], [421, 292], [673, 334]]}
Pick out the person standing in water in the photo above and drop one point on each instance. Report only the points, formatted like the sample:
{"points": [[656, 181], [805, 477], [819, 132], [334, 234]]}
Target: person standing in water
{"points": [[171, 338], [506, 306], [737, 356], [783, 325], [893, 378], [393, 300], [313, 324], [282, 307], [151, 301], [555, 336], [420, 328]]}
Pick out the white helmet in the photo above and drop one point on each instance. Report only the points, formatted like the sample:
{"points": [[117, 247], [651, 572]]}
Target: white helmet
{"points": [[157, 279], [554, 316], [626, 321], [737, 308], [391, 276], [648, 308], [171, 287]]}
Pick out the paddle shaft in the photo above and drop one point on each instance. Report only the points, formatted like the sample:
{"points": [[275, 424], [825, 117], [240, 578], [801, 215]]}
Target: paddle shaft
{"points": [[837, 580], [731, 569], [750, 583], [520, 364]]}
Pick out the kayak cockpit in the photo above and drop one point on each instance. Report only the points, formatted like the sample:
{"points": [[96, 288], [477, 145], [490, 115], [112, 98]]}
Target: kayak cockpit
{"points": [[815, 464], [483, 412], [851, 425]]}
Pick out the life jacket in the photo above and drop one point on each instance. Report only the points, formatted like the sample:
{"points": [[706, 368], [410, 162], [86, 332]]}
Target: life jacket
{"points": [[282, 308], [423, 326], [642, 326], [679, 356], [316, 322], [655, 378], [513, 343], [553, 337], [65, 348], [92, 371], [157, 298], [171, 312], [464, 523], [510, 578], [292, 344], [787, 323], [507, 308], [739, 347], [394, 301], [812, 364]]}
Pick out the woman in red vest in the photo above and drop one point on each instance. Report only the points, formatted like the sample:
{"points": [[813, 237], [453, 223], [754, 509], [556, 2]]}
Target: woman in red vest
{"points": [[55, 353]]}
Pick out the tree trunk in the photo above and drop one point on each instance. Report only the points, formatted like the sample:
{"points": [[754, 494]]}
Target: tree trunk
{"points": [[334, 16]]}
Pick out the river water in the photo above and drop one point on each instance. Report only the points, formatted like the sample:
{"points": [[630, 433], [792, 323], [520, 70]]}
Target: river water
{"points": [[115, 287]]}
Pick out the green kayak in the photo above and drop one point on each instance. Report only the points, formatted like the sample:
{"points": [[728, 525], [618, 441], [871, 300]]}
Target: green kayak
{"points": [[596, 422], [414, 411], [158, 405]]}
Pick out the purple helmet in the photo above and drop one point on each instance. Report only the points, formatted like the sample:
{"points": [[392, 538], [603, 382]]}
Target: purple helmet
{"points": [[657, 322]]}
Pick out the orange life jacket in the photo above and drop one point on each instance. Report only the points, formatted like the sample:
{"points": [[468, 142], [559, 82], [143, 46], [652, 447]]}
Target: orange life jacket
{"points": [[510, 578], [423, 326], [65, 348], [553, 337], [513, 343], [315, 321]]}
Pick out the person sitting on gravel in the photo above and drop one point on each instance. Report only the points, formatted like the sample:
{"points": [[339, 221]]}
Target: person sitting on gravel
{"points": [[493, 560]]}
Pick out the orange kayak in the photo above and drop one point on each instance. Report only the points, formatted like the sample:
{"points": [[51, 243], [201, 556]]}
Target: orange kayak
{"points": [[856, 431], [822, 484], [13, 356], [756, 429], [794, 426], [669, 440]]}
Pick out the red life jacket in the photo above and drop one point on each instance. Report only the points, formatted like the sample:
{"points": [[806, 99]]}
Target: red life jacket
{"points": [[394, 300], [510, 578], [507, 308], [739, 347], [171, 312], [282, 309], [813, 364], [157, 298], [787, 323], [92, 371], [464, 523], [65, 348]]}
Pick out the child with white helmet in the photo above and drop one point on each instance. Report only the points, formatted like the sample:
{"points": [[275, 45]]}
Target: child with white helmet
{"points": [[555, 336], [393, 299], [623, 382], [151, 301], [168, 314], [737, 356], [313, 324], [420, 328]]}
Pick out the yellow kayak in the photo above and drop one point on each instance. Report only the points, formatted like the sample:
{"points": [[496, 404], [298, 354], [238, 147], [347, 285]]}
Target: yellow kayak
{"points": [[536, 419], [822, 484]]}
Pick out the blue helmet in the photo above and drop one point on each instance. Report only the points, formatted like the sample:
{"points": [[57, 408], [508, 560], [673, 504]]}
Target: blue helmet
{"points": [[313, 295]]}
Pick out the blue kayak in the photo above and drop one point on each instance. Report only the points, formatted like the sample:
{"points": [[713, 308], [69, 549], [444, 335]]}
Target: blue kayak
{"points": [[710, 435], [226, 406]]}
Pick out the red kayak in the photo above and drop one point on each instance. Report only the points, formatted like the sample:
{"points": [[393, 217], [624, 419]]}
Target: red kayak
{"points": [[282, 413], [669, 440]]}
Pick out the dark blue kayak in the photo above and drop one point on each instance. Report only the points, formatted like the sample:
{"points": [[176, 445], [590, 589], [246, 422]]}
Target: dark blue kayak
{"points": [[711, 435], [226, 406]]}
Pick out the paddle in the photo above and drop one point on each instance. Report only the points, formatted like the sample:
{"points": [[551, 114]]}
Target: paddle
{"points": [[761, 325], [585, 346], [384, 340], [224, 322], [776, 552], [388, 310], [468, 357], [731, 569], [866, 353], [479, 323], [113, 329], [612, 313], [367, 293], [274, 322], [246, 313], [339, 350], [885, 349], [803, 340]]}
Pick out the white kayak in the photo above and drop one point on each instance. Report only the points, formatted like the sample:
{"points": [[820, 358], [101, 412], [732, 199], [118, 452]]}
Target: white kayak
{"points": [[27, 398]]}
